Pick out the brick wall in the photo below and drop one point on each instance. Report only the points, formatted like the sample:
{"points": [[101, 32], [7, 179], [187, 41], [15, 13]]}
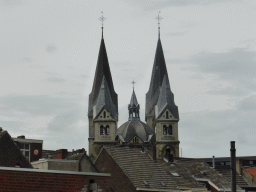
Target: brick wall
{"points": [[119, 182], [25, 180]]}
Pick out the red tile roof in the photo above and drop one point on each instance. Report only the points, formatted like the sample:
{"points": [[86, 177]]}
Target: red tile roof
{"points": [[251, 170]]}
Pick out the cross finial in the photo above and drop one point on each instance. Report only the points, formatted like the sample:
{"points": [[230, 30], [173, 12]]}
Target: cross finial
{"points": [[102, 19], [158, 18], [133, 82]]}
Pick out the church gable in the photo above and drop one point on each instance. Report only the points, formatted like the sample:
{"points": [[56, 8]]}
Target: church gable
{"points": [[104, 115], [166, 115]]}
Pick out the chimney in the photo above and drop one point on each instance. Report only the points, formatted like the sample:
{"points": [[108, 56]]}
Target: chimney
{"points": [[61, 153], [21, 137], [213, 162], [1, 129], [233, 166]]}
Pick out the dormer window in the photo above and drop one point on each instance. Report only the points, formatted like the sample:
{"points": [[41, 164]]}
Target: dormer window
{"points": [[167, 130]]}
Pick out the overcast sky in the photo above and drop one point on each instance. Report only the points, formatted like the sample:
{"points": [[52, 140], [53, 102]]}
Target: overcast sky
{"points": [[48, 57]]}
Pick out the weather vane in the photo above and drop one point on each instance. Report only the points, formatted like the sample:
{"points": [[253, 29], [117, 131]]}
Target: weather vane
{"points": [[133, 82]]}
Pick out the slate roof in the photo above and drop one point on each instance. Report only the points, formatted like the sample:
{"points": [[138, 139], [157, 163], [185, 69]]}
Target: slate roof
{"points": [[158, 73], [135, 127], [102, 69], [139, 167], [166, 100], [192, 170], [104, 101]]}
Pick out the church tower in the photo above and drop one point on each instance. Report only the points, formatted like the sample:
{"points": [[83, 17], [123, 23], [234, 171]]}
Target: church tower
{"points": [[161, 112], [103, 105]]}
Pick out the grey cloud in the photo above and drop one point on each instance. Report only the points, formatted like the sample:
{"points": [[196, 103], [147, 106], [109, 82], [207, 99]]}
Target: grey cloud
{"points": [[11, 3], [229, 90], [211, 130], [248, 104], [236, 66], [27, 59], [159, 4], [50, 48], [36, 104], [238, 62], [64, 121], [55, 80], [178, 33]]}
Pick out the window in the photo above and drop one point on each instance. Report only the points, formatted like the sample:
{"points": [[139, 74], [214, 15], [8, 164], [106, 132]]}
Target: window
{"points": [[102, 130], [167, 115], [164, 130], [167, 130], [107, 130], [25, 149], [104, 114]]}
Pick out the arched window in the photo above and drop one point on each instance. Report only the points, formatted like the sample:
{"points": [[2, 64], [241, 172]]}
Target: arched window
{"points": [[107, 130], [167, 115], [169, 130], [102, 130], [104, 114], [164, 130]]}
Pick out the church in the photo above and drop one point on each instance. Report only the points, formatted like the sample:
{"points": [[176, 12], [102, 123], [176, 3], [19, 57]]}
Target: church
{"points": [[159, 133]]}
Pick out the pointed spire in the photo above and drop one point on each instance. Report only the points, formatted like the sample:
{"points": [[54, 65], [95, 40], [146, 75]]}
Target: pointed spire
{"points": [[102, 69], [134, 107], [133, 101], [104, 100], [158, 73], [166, 99]]}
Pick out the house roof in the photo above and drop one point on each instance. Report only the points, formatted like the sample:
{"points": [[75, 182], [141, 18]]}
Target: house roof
{"points": [[102, 69], [10, 154], [142, 171], [192, 171], [133, 128], [251, 170]]}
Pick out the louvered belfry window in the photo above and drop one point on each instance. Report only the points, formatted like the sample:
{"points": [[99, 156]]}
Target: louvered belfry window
{"points": [[167, 130], [104, 130]]}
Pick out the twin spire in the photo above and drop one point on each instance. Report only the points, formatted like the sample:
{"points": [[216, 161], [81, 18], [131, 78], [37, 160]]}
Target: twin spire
{"points": [[104, 95]]}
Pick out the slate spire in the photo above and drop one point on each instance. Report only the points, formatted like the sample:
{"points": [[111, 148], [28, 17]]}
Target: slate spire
{"points": [[104, 101], [166, 100], [158, 73], [134, 107], [102, 69]]}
